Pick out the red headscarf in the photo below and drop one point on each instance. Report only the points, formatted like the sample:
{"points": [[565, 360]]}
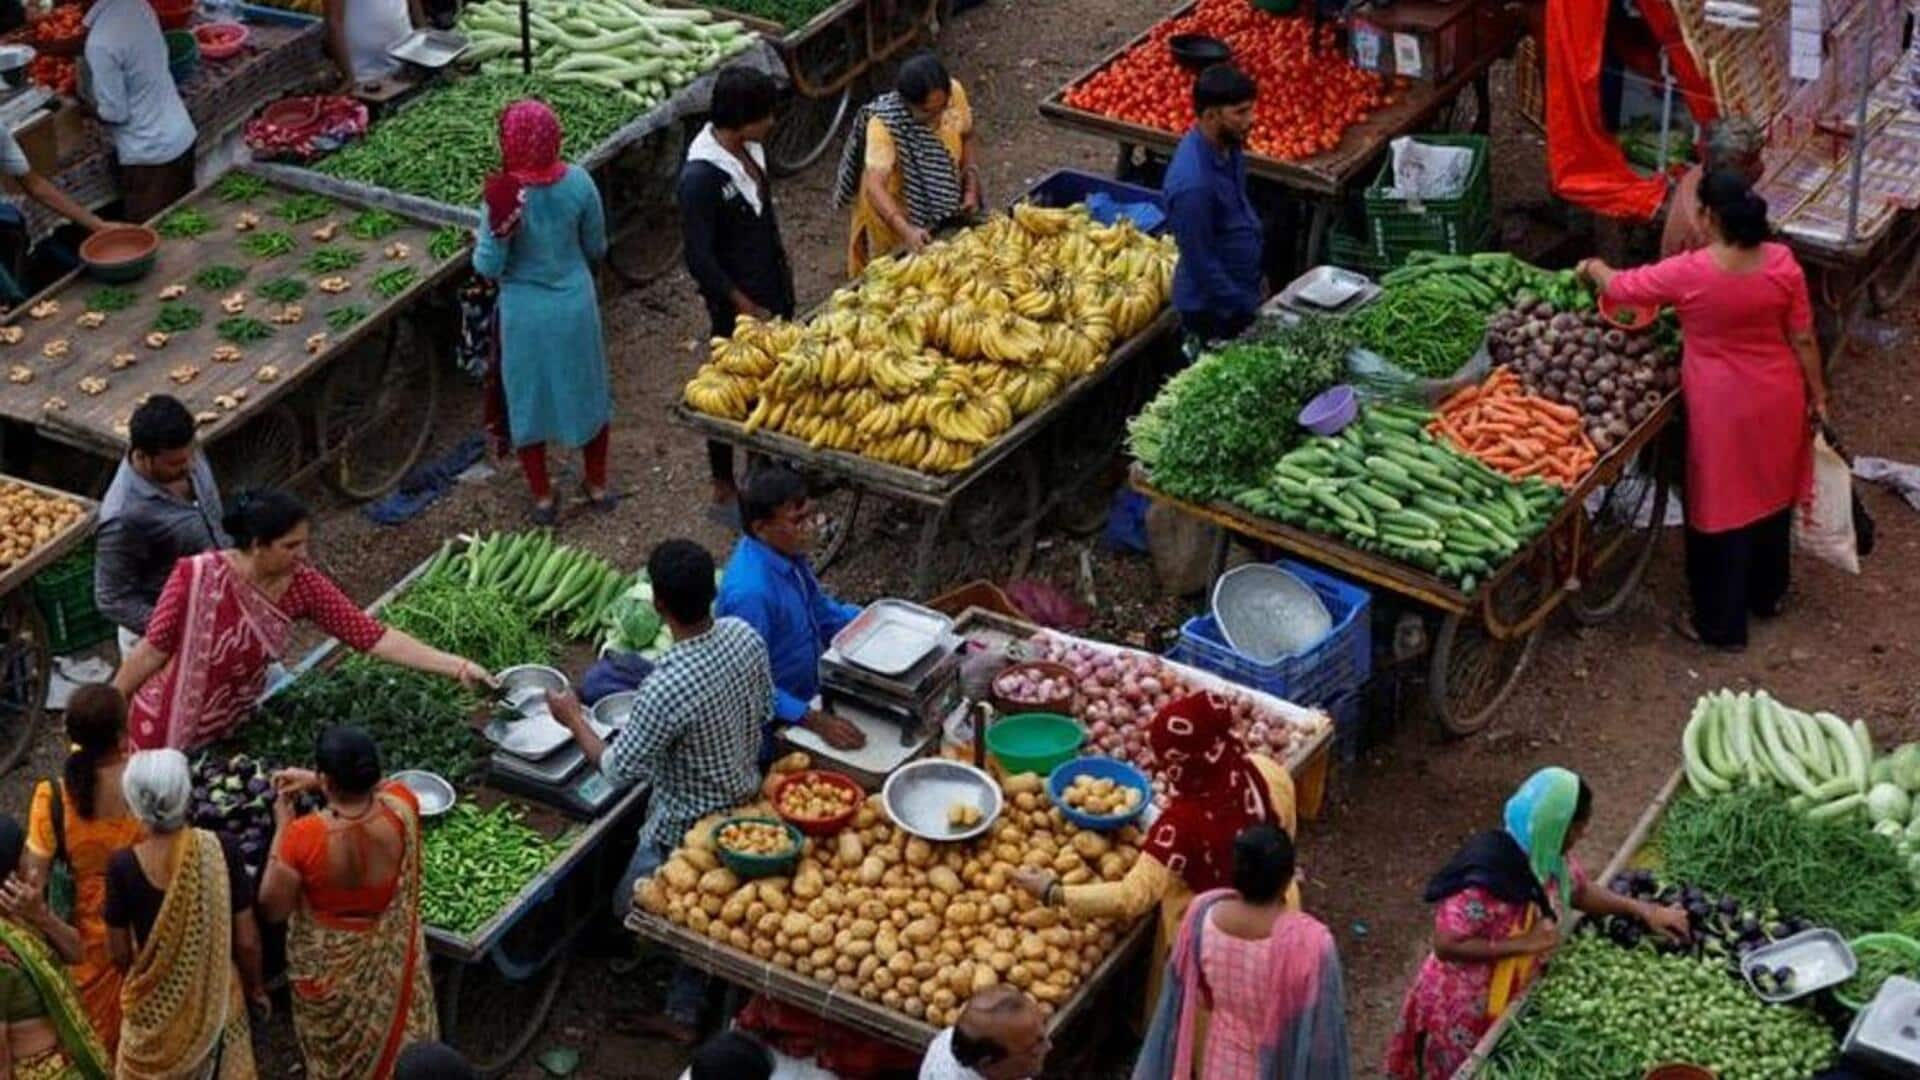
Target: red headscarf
{"points": [[1215, 791], [530, 138]]}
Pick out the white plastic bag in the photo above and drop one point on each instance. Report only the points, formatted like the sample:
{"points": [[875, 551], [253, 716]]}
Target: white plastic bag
{"points": [[1824, 527], [1426, 171]]}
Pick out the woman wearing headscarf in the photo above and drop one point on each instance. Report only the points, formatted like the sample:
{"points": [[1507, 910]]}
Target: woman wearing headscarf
{"points": [[909, 167], [44, 1030], [542, 230], [1729, 144], [1215, 788], [180, 922], [1501, 901], [1253, 988]]}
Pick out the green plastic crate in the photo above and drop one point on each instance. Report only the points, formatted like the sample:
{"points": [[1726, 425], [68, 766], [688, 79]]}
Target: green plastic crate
{"points": [[1449, 226], [64, 594], [1364, 255]]}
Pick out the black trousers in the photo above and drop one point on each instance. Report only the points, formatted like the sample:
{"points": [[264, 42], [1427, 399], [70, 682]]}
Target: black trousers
{"points": [[1738, 573]]}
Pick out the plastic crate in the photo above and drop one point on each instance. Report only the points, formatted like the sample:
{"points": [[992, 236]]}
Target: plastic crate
{"points": [[1340, 663], [1349, 712], [1449, 226], [64, 594], [1065, 187], [1355, 253]]}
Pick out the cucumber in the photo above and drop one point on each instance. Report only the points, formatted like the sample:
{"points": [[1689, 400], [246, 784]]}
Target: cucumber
{"points": [[1373, 496]]}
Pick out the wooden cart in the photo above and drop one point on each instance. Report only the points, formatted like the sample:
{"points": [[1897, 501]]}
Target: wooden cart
{"points": [[363, 426], [994, 506], [1873, 274], [1589, 560], [1324, 180], [26, 662]]}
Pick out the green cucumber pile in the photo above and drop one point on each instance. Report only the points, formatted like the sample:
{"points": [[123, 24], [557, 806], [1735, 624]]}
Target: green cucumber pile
{"points": [[571, 588], [1385, 485], [474, 862], [1495, 279], [629, 49], [1602, 1012]]}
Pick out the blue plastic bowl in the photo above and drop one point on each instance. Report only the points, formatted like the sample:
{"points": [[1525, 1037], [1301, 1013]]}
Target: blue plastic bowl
{"points": [[1333, 410], [1100, 768]]}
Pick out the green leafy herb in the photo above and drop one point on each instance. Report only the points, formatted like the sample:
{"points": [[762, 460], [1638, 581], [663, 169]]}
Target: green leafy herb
{"points": [[447, 243], [175, 318], [332, 260], [374, 225], [184, 223], [240, 187], [267, 245], [298, 208], [284, 290], [419, 720], [341, 318], [244, 330], [219, 276], [391, 283], [111, 298]]}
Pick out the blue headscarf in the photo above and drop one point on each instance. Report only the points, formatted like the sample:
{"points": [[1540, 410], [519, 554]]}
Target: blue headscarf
{"points": [[1538, 818]]}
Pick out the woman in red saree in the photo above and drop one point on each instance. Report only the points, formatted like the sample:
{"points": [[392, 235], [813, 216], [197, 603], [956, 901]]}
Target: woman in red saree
{"points": [[225, 616], [349, 878]]}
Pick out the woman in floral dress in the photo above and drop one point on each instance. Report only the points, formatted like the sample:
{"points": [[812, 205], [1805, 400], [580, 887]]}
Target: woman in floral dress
{"points": [[1501, 900]]}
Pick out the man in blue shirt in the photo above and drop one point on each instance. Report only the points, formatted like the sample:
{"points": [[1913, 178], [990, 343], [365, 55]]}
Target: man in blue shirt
{"points": [[769, 584], [1216, 286]]}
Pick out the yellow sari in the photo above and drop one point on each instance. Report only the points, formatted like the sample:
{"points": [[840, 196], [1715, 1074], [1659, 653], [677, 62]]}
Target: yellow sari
{"points": [[360, 995], [44, 992], [184, 1015]]}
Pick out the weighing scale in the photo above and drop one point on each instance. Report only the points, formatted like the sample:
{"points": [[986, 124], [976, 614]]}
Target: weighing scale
{"points": [[560, 778], [897, 664]]}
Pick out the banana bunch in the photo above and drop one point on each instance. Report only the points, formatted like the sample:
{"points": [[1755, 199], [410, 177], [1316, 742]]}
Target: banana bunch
{"points": [[929, 357]]}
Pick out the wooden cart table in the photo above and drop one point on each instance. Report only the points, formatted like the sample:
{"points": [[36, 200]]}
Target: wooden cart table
{"points": [[26, 662], [1589, 559], [370, 418], [1874, 273]]}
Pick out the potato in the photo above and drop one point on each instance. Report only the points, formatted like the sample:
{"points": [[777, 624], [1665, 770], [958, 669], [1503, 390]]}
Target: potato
{"points": [[983, 977], [1040, 918], [1091, 845], [921, 931], [919, 852], [756, 838], [1022, 783], [851, 852], [944, 880], [1047, 993], [712, 904], [698, 921], [1113, 866], [680, 874], [718, 882], [700, 837], [844, 965], [914, 1007], [734, 912], [1020, 975], [1077, 876], [701, 859], [872, 870], [650, 895], [1031, 949], [820, 934]]}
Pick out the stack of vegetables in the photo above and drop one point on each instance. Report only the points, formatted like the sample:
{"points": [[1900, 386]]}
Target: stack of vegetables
{"points": [[634, 50], [474, 863], [1324, 94], [30, 518], [901, 922], [1515, 432], [1431, 316], [543, 580], [928, 358], [1613, 378], [419, 720]]}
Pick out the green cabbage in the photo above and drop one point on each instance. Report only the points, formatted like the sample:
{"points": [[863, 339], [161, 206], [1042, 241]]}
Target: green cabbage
{"points": [[1888, 803]]}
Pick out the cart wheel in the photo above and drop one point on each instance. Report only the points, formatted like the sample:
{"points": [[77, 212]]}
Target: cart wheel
{"points": [[1473, 672], [992, 519], [842, 508], [1886, 295], [1621, 551], [26, 667], [375, 416], [804, 128], [263, 453], [532, 1023], [639, 192]]}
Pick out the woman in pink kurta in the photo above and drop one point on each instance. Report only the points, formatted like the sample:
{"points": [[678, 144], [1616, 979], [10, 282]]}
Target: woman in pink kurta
{"points": [[225, 616], [1750, 379]]}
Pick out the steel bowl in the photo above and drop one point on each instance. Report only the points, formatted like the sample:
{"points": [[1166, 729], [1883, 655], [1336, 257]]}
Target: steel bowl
{"points": [[612, 711], [14, 62], [528, 684], [920, 793], [434, 794]]}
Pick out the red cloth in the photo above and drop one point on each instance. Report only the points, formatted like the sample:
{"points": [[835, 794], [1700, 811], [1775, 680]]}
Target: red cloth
{"points": [[1749, 445], [1214, 791], [533, 462], [530, 138]]}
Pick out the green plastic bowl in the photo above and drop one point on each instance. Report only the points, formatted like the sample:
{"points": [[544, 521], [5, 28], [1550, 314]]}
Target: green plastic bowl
{"points": [[1847, 993], [747, 867], [1035, 742], [183, 54]]}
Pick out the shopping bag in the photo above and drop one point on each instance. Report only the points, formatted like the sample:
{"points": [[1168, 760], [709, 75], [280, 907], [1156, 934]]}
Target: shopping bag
{"points": [[1823, 526]]}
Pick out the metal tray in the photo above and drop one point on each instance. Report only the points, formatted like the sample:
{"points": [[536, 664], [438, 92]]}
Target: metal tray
{"points": [[1819, 958], [1886, 1034], [891, 636], [918, 795], [536, 733], [429, 48]]}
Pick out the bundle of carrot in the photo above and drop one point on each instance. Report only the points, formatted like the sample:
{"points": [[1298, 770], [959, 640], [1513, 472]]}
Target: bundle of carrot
{"points": [[1516, 432]]}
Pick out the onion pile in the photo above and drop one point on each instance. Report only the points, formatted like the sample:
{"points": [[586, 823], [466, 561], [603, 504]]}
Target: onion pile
{"points": [[1613, 376], [1030, 687], [1118, 694]]}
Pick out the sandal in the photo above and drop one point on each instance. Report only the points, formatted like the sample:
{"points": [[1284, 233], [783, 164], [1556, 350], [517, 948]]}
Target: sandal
{"points": [[1682, 624], [603, 502], [544, 516]]}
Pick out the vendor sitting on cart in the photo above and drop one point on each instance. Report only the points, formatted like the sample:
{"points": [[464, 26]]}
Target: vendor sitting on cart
{"points": [[1216, 283], [695, 733], [1729, 144], [225, 615], [769, 584]]}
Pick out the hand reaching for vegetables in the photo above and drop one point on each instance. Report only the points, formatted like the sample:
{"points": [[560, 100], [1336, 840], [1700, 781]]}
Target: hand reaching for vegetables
{"points": [[839, 734], [1670, 921], [566, 708], [289, 784], [1033, 881], [474, 677], [1539, 941], [21, 899]]}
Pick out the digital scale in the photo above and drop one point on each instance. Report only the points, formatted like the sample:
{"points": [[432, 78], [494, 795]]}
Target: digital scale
{"points": [[551, 771], [898, 665]]}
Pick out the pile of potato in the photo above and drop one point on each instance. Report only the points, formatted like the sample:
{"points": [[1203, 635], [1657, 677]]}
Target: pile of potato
{"points": [[755, 838], [911, 925], [1100, 796], [814, 799], [29, 519]]}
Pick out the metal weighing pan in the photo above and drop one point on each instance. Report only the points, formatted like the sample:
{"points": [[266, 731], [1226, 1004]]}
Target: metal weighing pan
{"points": [[891, 636], [919, 795], [429, 48]]}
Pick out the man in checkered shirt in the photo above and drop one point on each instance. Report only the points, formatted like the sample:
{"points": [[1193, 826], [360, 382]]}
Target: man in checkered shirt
{"points": [[694, 733]]}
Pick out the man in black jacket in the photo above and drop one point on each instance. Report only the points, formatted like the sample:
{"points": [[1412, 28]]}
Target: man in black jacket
{"points": [[732, 233]]}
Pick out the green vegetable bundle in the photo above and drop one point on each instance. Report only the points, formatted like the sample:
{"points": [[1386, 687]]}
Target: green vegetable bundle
{"points": [[571, 588], [443, 144], [788, 13], [1215, 427], [481, 623], [1496, 279], [1385, 485], [474, 862], [630, 49], [419, 720], [1604, 1013]]}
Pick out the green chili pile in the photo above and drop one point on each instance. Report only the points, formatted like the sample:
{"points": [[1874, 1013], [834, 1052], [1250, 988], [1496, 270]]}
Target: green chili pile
{"points": [[270, 244], [1430, 326], [176, 318], [475, 861], [184, 223], [341, 318], [447, 242], [219, 276], [240, 187], [298, 208], [244, 330], [284, 290]]}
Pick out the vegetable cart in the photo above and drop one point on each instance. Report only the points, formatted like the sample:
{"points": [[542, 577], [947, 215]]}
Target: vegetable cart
{"points": [[825, 58], [1323, 180], [205, 326], [26, 664], [1590, 557]]}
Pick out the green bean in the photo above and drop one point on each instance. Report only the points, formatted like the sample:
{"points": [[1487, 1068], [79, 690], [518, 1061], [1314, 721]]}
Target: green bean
{"points": [[373, 225], [184, 223], [475, 862], [218, 276], [483, 624], [240, 187], [341, 318], [447, 243]]}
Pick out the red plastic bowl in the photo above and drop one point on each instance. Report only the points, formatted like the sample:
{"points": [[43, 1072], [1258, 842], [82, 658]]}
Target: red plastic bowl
{"points": [[1628, 316], [173, 14], [221, 40], [819, 826]]}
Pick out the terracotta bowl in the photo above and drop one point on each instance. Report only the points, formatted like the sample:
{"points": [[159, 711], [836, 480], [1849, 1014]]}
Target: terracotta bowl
{"points": [[221, 40], [120, 253]]}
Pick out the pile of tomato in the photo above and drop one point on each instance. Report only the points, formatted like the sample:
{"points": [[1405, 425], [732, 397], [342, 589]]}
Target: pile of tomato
{"points": [[1309, 93], [56, 73]]}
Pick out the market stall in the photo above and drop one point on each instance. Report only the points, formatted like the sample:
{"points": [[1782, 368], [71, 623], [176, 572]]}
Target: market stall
{"points": [[255, 289], [37, 526], [1033, 406], [1310, 146], [1541, 484], [1770, 807]]}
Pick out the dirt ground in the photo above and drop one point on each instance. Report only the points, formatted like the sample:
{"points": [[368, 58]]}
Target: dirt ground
{"points": [[1607, 702]]}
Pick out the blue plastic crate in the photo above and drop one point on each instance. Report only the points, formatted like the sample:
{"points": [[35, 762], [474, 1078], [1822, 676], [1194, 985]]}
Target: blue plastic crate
{"points": [[1064, 187], [1340, 663], [1349, 712]]}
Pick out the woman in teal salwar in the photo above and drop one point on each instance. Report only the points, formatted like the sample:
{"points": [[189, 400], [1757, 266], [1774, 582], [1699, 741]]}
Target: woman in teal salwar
{"points": [[543, 231], [44, 1030]]}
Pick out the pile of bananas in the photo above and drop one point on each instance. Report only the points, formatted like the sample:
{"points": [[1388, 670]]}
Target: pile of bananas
{"points": [[927, 358]]}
